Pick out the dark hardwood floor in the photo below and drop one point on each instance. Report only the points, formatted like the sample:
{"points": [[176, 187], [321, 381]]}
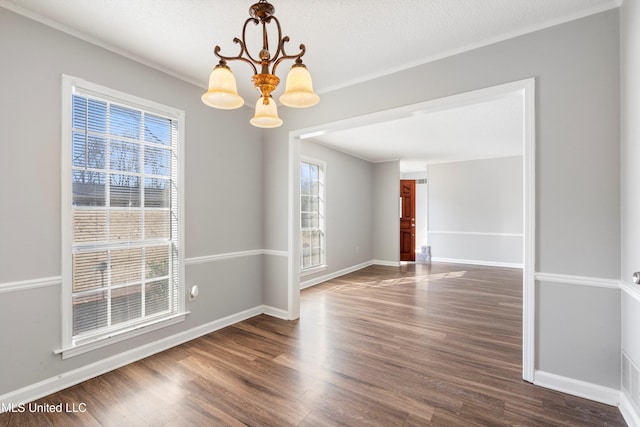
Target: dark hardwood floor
{"points": [[414, 345]]}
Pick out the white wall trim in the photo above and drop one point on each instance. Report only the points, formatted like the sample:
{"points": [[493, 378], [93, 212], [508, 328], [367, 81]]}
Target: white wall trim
{"points": [[325, 277], [525, 86], [218, 257], [273, 252], [76, 376], [611, 4], [313, 270], [275, 312], [477, 233], [578, 280], [385, 263], [22, 285], [293, 227], [631, 290], [479, 262], [628, 411], [95, 41], [124, 335], [595, 392], [528, 86]]}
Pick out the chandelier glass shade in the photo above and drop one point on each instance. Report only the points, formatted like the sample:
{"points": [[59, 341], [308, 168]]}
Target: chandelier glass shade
{"points": [[266, 115], [223, 92]]}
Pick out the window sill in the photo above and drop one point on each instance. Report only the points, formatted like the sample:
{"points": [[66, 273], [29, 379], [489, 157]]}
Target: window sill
{"points": [[313, 270], [118, 336]]}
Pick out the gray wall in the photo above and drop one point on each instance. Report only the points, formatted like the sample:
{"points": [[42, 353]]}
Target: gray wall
{"points": [[224, 159], [576, 66], [630, 192], [349, 202], [386, 218], [576, 322], [476, 212]]}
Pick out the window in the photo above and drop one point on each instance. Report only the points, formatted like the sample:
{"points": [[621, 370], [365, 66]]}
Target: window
{"points": [[312, 215], [122, 216]]}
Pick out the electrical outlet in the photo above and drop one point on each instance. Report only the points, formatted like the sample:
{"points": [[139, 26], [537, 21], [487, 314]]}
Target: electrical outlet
{"points": [[194, 292]]}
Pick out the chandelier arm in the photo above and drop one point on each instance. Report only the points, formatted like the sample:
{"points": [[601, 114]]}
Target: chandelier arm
{"points": [[298, 57], [236, 40], [244, 40], [281, 41]]}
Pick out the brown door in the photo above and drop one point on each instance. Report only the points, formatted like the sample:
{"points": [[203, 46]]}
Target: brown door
{"points": [[408, 220]]}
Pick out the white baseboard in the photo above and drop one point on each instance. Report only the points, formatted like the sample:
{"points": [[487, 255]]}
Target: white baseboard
{"points": [[385, 263], [316, 280], [478, 262], [598, 393], [275, 312], [628, 411], [67, 379]]}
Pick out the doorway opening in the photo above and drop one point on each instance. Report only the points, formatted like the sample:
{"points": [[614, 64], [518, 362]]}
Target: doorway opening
{"points": [[526, 88]]}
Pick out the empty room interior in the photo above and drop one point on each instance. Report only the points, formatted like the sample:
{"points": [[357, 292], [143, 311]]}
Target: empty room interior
{"points": [[442, 229]]}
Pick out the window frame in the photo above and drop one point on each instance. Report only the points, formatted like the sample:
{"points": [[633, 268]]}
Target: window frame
{"points": [[322, 214], [70, 86]]}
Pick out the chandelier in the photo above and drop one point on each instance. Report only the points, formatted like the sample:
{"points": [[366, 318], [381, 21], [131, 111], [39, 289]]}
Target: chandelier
{"points": [[223, 92]]}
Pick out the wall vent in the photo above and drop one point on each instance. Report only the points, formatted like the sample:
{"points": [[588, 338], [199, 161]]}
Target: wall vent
{"points": [[421, 181], [631, 381]]}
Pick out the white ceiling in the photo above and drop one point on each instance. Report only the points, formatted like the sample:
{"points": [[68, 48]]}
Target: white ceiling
{"points": [[486, 129], [348, 41]]}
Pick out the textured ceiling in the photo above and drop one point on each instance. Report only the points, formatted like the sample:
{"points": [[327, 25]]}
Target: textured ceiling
{"points": [[348, 41], [487, 129]]}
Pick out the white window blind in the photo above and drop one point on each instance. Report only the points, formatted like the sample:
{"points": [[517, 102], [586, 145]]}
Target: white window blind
{"points": [[312, 215], [123, 216]]}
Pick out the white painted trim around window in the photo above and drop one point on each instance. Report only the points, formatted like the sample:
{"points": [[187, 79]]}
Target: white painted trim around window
{"points": [[121, 335], [69, 85], [313, 270], [322, 226]]}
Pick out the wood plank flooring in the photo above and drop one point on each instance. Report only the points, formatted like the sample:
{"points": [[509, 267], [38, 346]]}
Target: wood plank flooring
{"points": [[416, 345]]}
